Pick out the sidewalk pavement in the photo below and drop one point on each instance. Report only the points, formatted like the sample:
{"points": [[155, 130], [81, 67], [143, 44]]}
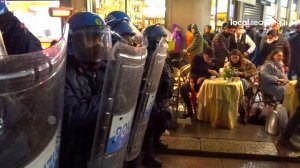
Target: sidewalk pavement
{"points": [[244, 142]]}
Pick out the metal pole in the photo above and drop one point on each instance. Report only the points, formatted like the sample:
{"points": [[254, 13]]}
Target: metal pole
{"points": [[216, 14]]}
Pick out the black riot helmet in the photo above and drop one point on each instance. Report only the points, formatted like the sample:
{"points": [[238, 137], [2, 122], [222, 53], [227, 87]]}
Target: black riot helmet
{"points": [[89, 38], [155, 33]]}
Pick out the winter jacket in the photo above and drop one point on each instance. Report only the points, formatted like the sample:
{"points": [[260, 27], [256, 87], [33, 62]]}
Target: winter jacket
{"points": [[189, 38], [199, 68], [197, 45], [245, 66], [81, 108], [208, 37], [221, 46], [294, 42], [269, 73], [280, 44], [178, 37], [17, 39]]}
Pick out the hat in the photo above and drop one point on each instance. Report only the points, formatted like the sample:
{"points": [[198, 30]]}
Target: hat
{"points": [[210, 52]]}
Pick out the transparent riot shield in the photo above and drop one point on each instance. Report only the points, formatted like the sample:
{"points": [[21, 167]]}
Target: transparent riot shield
{"points": [[31, 104], [119, 95], [146, 100]]}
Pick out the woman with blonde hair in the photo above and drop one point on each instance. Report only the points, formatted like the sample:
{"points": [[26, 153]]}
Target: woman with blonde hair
{"points": [[272, 76]]}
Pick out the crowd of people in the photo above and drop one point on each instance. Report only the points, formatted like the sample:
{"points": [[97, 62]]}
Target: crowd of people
{"points": [[256, 51], [267, 51]]}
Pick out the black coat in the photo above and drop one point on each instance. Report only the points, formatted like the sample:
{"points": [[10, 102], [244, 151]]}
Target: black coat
{"points": [[81, 107], [265, 50], [199, 68], [17, 39], [294, 41]]}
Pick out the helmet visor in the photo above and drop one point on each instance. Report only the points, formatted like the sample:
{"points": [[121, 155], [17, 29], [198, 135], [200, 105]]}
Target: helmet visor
{"points": [[92, 44]]}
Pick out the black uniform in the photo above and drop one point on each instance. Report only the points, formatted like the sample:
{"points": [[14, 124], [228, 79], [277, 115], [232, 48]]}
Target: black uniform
{"points": [[17, 39], [81, 107]]}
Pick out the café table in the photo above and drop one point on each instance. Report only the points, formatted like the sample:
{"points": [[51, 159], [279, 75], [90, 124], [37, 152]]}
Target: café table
{"points": [[291, 99], [218, 102]]}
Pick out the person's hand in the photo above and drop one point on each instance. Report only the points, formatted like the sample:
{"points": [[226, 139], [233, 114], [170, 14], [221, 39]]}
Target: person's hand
{"points": [[213, 72], [200, 80], [286, 68], [237, 73], [184, 51], [284, 81], [246, 54]]}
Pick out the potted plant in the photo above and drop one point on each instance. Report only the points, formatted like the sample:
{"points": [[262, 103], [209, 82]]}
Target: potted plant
{"points": [[228, 74]]}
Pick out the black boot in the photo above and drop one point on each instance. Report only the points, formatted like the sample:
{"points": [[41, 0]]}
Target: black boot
{"points": [[151, 161], [243, 118], [189, 114]]}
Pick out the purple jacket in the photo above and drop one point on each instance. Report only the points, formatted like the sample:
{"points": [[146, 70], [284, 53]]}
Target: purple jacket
{"points": [[178, 37]]}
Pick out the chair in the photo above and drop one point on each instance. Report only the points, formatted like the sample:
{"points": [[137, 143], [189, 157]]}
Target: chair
{"points": [[175, 97], [184, 76], [259, 96], [180, 76]]}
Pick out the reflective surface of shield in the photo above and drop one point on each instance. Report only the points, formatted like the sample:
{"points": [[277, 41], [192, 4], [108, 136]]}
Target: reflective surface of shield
{"points": [[120, 91], [146, 100], [31, 104]]}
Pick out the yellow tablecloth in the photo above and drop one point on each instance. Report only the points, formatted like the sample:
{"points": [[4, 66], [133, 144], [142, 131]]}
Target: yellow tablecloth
{"points": [[218, 102], [291, 99]]}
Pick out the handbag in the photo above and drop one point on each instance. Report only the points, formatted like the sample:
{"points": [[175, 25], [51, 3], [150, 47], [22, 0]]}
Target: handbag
{"points": [[171, 45]]}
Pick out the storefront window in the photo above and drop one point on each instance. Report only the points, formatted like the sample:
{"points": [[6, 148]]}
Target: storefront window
{"points": [[135, 11], [213, 13], [294, 13], [222, 11], [141, 12], [284, 3], [35, 16], [283, 12], [106, 6], [294, 5], [154, 12], [270, 13]]}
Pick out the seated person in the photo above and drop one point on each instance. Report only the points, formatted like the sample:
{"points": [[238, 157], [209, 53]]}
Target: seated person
{"points": [[244, 69], [272, 77], [202, 67]]}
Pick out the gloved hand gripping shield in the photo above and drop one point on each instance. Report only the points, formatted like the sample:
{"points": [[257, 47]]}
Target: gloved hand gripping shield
{"points": [[146, 100], [119, 95], [31, 104]]}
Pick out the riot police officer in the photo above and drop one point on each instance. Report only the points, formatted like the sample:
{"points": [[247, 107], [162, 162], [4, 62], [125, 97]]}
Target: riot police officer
{"points": [[17, 38], [87, 48], [158, 121]]}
